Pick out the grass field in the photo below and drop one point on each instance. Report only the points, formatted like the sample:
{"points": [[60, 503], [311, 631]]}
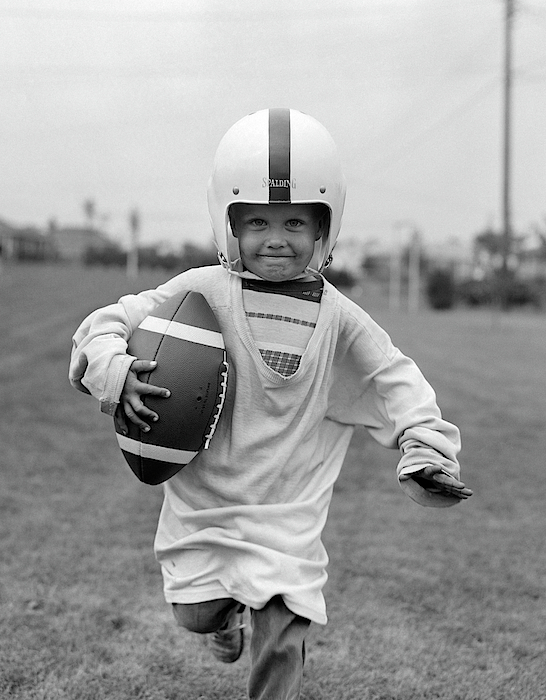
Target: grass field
{"points": [[423, 603]]}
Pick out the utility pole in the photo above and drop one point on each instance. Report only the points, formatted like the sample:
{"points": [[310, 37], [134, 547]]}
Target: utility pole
{"points": [[414, 272], [507, 147], [395, 269], [132, 255]]}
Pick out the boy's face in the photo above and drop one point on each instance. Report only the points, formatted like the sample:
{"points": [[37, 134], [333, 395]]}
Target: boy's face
{"points": [[276, 241]]}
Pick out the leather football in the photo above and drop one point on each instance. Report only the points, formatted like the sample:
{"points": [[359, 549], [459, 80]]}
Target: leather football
{"points": [[182, 335]]}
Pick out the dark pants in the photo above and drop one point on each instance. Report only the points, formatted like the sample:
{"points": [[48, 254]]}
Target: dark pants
{"points": [[277, 648]]}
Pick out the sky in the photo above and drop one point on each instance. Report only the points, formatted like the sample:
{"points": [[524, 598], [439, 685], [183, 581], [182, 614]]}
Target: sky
{"points": [[124, 102]]}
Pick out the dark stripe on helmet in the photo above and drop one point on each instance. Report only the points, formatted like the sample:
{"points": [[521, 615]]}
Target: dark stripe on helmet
{"points": [[279, 155]]}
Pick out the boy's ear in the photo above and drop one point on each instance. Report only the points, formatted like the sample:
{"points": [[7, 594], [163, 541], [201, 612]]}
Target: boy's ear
{"points": [[322, 224]]}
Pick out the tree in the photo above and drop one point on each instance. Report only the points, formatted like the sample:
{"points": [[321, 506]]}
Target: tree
{"points": [[90, 210], [490, 242]]}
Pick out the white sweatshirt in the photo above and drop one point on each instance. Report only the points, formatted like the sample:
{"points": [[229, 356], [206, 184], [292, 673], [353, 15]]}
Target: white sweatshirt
{"points": [[244, 518]]}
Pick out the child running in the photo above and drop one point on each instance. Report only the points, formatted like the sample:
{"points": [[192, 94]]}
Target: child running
{"points": [[241, 524]]}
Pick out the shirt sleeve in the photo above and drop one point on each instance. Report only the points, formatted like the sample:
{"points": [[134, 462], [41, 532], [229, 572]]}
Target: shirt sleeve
{"points": [[378, 387], [99, 361]]}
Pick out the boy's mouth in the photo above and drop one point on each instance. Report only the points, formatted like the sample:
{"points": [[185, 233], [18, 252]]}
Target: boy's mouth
{"points": [[269, 255]]}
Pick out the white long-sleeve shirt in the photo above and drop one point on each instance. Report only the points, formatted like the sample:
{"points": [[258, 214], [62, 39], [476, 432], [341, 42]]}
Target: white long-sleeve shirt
{"points": [[244, 518]]}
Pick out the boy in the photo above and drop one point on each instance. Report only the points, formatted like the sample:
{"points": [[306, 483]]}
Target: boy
{"points": [[241, 524]]}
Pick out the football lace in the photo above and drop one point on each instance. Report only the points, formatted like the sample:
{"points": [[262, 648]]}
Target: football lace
{"points": [[219, 405]]}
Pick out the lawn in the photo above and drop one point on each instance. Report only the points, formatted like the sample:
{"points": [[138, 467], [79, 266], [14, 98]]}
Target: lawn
{"points": [[423, 603]]}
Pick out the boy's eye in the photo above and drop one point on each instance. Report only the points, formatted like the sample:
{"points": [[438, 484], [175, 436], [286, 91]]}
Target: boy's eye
{"points": [[257, 222], [294, 223]]}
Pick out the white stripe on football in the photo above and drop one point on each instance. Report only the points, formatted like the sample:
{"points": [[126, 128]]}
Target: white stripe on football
{"points": [[183, 331], [163, 454]]}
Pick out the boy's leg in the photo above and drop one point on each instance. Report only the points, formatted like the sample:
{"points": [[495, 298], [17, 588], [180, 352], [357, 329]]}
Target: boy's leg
{"points": [[277, 652], [223, 617], [205, 617]]}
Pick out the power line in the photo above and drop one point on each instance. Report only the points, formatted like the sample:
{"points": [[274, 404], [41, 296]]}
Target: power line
{"points": [[233, 13], [525, 8], [440, 123], [418, 99], [51, 14]]}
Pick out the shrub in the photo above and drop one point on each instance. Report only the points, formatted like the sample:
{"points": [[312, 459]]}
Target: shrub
{"points": [[340, 277], [441, 289], [511, 293]]}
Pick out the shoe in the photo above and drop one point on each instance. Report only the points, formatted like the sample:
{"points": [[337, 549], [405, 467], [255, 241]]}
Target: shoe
{"points": [[227, 644]]}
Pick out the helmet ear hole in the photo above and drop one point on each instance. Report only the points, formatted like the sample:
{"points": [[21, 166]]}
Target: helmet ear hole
{"points": [[324, 221], [231, 227]]}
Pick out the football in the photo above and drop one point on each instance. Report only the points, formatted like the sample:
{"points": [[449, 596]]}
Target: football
{"points": [[182, 335]]}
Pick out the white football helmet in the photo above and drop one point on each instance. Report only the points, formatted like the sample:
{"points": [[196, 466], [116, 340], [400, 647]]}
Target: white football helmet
{"points": [[276, 155]]}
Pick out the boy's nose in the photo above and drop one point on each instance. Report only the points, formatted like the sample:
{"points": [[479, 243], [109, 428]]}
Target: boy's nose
{"points": [[276, 243], [276, 236]]}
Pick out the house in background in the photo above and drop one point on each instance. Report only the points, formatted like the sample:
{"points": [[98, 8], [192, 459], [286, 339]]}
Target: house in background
{"points": [[71, 243], [23, 243], [68, 244]]}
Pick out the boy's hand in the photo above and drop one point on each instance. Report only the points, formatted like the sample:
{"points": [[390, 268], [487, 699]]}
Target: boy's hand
{"points": [[436, 480], [130, 403]]}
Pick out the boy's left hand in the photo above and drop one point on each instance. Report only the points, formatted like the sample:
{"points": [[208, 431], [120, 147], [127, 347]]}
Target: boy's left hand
{"points": [[434, 479]]}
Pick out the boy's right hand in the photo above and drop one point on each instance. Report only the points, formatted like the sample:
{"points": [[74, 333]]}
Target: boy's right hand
{"points": [[130, 402]]}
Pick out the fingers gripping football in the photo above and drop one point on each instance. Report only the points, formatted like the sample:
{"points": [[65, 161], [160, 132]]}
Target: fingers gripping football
{"points": [[131, 406]]}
